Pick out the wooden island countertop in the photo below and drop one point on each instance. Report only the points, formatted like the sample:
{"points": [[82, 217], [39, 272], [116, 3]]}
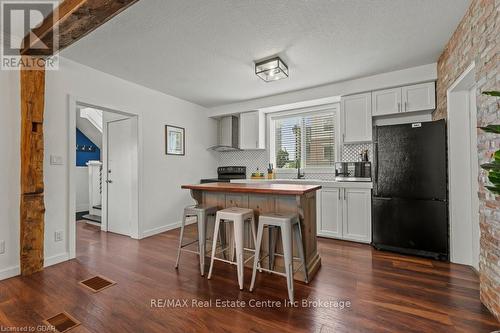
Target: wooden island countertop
{"points": [[265, 198], [277, 189]]}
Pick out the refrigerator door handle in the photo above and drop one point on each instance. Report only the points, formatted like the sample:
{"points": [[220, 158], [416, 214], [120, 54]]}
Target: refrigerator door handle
{"points": [[375, 162]]}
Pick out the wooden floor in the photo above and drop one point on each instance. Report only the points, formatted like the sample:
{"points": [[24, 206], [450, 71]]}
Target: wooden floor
{"points": [[388, 293]]}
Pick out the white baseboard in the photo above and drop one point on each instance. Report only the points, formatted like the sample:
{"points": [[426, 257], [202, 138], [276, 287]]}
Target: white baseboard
{"points": [[164, 228], [159, 230], [16, 270], [9, 272], [53, 260]]}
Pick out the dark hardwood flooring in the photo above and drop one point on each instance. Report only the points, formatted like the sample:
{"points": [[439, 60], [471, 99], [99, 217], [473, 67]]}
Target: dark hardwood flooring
{"points": [[388, 292]]}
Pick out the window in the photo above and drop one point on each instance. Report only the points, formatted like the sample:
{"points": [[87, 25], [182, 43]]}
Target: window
{"points": [[305, 139]]}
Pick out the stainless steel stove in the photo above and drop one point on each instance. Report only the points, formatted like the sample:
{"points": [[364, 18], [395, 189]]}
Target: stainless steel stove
{"points": [[226, 173]]}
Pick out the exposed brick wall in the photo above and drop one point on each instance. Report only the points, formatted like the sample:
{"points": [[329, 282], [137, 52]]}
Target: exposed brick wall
{"points": [[476, 39]]}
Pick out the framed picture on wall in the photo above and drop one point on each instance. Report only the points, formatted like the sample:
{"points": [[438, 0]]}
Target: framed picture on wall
{"points": [[175, 140]]}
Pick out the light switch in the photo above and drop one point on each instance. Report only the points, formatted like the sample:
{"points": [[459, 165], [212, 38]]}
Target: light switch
{"points": [[58, 236], [56, 160]]}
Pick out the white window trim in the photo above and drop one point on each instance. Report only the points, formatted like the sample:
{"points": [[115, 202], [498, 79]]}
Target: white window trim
{"points": [[320, 109]]}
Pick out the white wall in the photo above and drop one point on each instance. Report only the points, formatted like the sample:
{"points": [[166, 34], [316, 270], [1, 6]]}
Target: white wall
{"points": [[10, 122], [162, 198], [326, 93], [82, 189]]}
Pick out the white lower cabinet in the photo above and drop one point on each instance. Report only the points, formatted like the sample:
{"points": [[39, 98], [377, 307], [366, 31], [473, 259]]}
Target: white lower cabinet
{"points": [[344, 213], [357, 215], [329, 213]]}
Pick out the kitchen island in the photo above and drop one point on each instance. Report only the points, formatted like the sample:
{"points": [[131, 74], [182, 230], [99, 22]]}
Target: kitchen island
{"points": [[269, 198]]}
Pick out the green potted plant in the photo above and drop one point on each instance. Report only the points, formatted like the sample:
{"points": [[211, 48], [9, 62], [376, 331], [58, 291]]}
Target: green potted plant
{"points": [[493, 167]]}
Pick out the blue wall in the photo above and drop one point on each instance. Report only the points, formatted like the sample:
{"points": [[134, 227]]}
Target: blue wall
{"points": [[82, 157]]}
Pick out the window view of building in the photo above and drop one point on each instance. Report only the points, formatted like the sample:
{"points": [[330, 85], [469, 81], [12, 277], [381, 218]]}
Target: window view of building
{"points": [[317, 143]]}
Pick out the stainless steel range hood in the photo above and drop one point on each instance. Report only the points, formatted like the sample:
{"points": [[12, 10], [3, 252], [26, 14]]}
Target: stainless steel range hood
{"points": [[229, 134]]}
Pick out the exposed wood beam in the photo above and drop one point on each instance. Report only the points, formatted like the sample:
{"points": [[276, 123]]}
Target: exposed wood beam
{"points": [[32, 204], [72, 20]]}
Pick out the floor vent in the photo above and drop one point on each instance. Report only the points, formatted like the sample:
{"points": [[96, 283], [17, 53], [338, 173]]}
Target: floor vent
{"points": [[97, 283], [62, 322]]}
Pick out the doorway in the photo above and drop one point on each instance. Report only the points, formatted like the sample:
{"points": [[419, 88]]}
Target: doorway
{"points": [[110, 179], [463, 170]]}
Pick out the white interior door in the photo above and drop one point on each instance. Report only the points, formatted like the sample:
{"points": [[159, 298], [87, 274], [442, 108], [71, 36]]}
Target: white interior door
{"points": [[474, 169], [463, 170], [119, 176]]}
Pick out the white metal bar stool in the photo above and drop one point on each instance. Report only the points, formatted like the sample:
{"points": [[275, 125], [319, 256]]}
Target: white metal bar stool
{"points": [[288, 224], [201, 212], [237, 216]]}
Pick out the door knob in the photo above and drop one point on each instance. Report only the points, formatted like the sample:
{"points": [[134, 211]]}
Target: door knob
{"points": [[109, 181]]}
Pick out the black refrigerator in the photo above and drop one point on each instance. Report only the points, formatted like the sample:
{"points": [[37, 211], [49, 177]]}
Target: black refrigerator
{"points": [[410, 193]]}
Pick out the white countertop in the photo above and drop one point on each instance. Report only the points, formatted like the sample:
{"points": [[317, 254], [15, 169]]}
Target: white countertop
{"points": [[323, 183]]}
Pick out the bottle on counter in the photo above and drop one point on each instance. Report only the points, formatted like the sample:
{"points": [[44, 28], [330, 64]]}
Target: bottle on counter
{"points": [[257, 174], [365, 155], [270, 171]]}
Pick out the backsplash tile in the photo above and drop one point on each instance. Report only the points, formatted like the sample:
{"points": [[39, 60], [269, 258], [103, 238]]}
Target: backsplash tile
{"points": [[351, 152], [253, 159]]}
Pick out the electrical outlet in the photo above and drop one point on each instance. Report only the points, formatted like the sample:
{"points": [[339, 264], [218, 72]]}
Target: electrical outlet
{"points": [[58, 236], [2, 247]]}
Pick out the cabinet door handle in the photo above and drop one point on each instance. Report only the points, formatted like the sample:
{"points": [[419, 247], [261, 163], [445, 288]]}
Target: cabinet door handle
{"points": [[406, 106], [399, 107], [339, 193]]}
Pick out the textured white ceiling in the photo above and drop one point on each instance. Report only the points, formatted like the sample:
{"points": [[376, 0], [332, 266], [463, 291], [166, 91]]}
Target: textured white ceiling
{"points": [[204, 51]]}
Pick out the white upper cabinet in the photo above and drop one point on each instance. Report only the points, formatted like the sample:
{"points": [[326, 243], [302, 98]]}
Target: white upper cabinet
{"points": [[419, 97], [356, 115], [252, 130], [387, 101]]}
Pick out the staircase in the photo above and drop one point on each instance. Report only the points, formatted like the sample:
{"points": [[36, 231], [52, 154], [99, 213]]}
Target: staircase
{"points": [[89, 122], [95, 193], [93, 219]]}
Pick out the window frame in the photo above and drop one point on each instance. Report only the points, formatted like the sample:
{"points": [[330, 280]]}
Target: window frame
{"points": [[309, 111]]}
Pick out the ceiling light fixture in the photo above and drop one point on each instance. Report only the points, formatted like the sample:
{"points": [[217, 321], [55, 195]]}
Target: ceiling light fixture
{"points": [[271, 69]]}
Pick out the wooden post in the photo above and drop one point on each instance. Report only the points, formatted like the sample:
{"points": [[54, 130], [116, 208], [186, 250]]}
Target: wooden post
{"points": [[32, 203]]}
